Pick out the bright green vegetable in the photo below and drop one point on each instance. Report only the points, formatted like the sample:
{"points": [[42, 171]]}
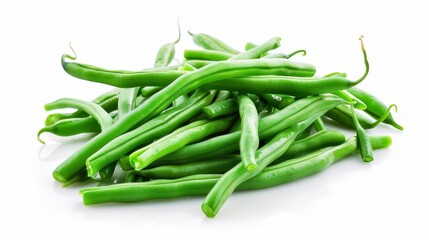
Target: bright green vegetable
{"points": [[249, 139]]}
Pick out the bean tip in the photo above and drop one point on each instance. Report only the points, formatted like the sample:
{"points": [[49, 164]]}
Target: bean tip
{"points": [[208, 211]]}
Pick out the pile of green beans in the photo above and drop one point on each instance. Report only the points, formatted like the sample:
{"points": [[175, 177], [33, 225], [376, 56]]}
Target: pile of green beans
{"points": [[221, 120]]}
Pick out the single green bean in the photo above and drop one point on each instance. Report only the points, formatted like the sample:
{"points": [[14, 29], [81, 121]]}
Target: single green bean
{"points": [[278, 101], [94, 110], [222, 95], [211, 55], [249, 139], [319, 125], [222, 108], [105, 100], [211, 43], [212, 166], [166, 53], [364, 143], [150, 90], [258, 51], [72, 126], [127, 101], [180, 100]]}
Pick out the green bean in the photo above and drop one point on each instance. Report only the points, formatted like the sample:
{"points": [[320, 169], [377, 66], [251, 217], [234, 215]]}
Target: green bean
{"points": [[166, 52], [268, 126], [278, 101], [212, 166], [221, 108], [127, 101], [106, 173], [211, 55], [286, 56], [222, 95], [364, 143], [266, 111], [150, 90], [72, 126], [108, 101], [124, 163], [197, 63], [211, 43], [180, 100], [249, 139], [375, 107], [194, 132], [158, 127], [258, 51], [249, 45], [94, 110], [319, 125]]}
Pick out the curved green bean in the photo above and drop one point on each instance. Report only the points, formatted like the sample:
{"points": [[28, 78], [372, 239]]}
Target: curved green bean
{"points": [[249, 139], [94, 110]]}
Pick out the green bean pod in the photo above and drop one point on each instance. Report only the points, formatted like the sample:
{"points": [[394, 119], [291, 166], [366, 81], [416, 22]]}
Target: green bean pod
{"points": [[212, 166], [211, 43], [364, 143], [108, 101], [94, 110], [150, 90], [70, 127], [221, 108], [278, 101], [222, 95], [211, 55], [249, 139], [166, 53], [258, 51], [375, 107], [127, 101], [319, 125], [199, 185], [180, 100]]}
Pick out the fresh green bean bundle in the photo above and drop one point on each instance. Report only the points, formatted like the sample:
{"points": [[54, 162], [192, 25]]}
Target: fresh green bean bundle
{"points": [[220, 121]]}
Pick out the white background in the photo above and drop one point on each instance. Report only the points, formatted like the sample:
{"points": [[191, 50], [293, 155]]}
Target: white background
{"points": [[351, 200]]}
